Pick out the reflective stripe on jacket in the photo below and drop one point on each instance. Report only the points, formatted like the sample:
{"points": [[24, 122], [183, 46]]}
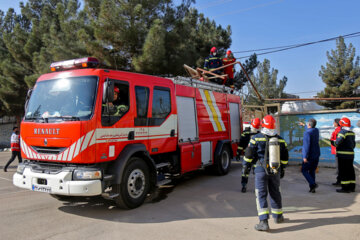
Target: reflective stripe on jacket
{"points": [[345, 144], [15, 143]]}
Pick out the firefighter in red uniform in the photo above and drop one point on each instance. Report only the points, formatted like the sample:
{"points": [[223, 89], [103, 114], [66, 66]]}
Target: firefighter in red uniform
{"points": [[15, 148], [212, 62], [230, 69], [345, 144], [244, 141]]}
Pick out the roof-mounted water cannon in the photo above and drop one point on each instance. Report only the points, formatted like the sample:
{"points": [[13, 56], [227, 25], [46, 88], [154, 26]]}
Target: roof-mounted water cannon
{"points": [[88, 62]]}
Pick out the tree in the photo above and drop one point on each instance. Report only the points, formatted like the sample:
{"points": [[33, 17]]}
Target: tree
{"points": [[154, 37], [267, 84], [249, 66], [341, 76], [41, 34]]}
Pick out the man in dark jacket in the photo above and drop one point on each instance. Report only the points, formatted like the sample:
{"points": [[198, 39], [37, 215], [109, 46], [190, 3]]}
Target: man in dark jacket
{"points": [[310, 154]]}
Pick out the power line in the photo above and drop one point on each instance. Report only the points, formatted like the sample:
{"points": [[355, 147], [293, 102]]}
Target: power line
{"points": [[288, 47]]}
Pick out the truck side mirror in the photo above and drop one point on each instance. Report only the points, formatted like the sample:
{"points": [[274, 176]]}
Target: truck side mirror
{"points": [[108, 91], [28, 95]]}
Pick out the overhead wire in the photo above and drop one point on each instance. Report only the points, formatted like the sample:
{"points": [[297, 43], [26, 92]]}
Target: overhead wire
{"points": [[292, 46]]}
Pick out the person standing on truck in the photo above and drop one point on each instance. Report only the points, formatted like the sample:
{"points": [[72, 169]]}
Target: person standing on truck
{"points": [[230, 69], [310, 154], [15, 148], [333, 149], [244, 141], [345, 144], [267, 178], [212, 62]]}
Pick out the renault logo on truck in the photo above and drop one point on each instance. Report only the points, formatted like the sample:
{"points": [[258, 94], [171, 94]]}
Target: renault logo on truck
{"points": [[47, 131]]}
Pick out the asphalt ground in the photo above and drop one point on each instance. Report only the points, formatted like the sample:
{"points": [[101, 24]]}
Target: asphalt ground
{"points": [[199, 206]]}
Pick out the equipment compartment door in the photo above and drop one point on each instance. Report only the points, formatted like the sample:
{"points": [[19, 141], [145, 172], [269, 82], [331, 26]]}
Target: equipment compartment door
{"points": [[187, 119], [206, 153], [235, 122]]}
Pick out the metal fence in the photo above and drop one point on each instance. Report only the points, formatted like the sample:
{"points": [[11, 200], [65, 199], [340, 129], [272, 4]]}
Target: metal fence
{"points": [[7, 119]]}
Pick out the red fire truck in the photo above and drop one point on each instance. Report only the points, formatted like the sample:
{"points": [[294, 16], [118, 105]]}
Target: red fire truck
{"points": [[89, 131]]}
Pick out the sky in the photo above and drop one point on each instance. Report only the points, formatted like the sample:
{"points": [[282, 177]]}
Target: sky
{"points": [[258, 24]]}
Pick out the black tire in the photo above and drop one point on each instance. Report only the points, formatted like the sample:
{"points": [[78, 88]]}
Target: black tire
{"points": [[223, 163], [134, 186]]}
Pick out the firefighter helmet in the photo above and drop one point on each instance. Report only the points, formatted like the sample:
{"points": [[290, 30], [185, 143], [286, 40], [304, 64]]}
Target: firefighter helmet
{"points": [[268, 122], [255, 123], [345, 122], [213, 49], [228, 53], [116, 89]]}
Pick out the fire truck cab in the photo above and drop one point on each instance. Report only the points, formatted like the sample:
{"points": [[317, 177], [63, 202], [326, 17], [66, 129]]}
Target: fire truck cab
{"points": [[90, 131]]}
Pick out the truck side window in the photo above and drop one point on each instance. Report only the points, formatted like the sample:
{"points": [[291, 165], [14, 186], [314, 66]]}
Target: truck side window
{"points": [[142, 104], [161, 106], [113, 110]]}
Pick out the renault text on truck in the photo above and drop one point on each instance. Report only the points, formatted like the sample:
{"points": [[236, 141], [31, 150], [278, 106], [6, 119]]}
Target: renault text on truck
{"points": [[78, 140]]}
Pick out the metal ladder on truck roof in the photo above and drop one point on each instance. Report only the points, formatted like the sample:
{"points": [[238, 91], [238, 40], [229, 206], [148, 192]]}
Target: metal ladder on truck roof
{"points": [[187, 81]]}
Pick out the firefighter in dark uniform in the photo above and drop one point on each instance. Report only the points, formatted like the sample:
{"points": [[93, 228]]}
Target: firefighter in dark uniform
{"points": [[345, 144], [212, 62], [269, 151], [244, 141]]}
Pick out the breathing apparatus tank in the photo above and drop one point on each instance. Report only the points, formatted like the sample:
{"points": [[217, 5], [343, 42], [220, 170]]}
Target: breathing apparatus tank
{"points": [[274, 154]]}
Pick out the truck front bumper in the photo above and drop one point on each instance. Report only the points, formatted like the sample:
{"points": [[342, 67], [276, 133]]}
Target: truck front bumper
{"points": [[60, 183]]}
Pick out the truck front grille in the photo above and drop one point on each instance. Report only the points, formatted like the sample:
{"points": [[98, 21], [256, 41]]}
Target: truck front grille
{"points": [[48, 150]]}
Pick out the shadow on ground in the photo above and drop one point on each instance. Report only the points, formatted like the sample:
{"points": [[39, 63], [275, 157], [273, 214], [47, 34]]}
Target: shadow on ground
{"points": [[200, 196]]}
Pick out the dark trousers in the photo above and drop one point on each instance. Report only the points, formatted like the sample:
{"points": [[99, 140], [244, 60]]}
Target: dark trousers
{"points": [[308, 170], [337, 170], [14, 154], [347, 173], [265, 184]]}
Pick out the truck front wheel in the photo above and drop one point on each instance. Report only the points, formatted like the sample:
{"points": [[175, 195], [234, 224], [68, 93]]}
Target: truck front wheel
{"points": [[135, 184]]}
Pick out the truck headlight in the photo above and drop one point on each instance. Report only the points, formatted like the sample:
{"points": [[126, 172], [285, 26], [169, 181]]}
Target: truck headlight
{"points": [[20, 169], [87, 174]]}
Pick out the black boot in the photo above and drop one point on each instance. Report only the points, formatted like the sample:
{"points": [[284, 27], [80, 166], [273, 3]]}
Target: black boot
{"points": [[262, 226], [279, 219], [243, 189], [341, 190]]}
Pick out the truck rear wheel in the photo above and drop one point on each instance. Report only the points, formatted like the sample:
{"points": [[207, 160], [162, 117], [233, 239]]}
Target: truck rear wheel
{"points": [[134, 186], [222, 165]]}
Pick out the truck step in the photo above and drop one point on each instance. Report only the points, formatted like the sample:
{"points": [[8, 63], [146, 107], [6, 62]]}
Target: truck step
{"points": [[109, 196], [163, 182], [108, 177], [161, 165]]}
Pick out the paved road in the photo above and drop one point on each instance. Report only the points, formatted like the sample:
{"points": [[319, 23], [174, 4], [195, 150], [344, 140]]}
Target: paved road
{"points": [[199, 207]]}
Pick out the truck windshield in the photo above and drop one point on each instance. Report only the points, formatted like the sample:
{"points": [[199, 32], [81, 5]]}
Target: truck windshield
{"points": [[68, 99]]}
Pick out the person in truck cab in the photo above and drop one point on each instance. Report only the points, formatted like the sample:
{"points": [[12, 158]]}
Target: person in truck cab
{"points": [[116, 108]]}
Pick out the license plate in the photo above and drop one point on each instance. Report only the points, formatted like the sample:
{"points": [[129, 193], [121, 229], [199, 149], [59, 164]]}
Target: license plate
{"points": [[40, 188]]}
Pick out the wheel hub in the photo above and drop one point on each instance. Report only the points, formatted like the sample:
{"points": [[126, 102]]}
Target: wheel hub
{"points": [[136, 183]]}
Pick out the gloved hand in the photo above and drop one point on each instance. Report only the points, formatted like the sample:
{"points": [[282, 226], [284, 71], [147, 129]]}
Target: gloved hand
{"points": [[246, 169], [282, 172]]}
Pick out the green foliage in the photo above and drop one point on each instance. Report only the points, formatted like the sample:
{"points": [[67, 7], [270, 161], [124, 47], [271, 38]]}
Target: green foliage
{"points": [[341, 76], [267, 84], [249, 66], [41, 34], [153, 36]]}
